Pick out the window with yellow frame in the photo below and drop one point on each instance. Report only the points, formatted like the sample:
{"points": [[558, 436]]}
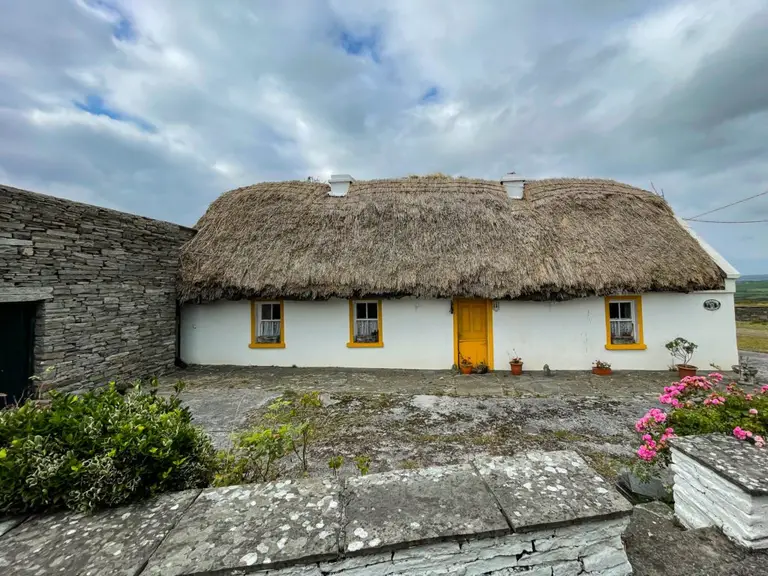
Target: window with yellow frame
{"points": [[624, 323], [366, 329], [267, 324]]}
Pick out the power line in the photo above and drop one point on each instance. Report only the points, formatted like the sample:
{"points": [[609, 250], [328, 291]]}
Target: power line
{"points": [[726, 206], [726, 221]]}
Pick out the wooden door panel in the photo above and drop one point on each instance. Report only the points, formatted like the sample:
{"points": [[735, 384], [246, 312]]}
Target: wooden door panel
{"points": [[472, 330]]}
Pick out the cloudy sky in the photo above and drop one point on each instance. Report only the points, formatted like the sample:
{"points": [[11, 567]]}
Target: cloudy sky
{"points": [[157, 106]]}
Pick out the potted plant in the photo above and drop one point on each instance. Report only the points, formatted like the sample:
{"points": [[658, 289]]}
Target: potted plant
{"points": [[465, 365], [682, 350], [601, 368], [481, 368], [516, 365]]}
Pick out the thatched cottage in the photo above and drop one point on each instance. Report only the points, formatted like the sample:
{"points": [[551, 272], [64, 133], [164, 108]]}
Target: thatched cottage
{"points": [[420, 271]]}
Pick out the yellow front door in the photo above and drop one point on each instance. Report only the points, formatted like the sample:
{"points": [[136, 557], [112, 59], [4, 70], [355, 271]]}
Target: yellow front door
{"points": [[472, 331]]}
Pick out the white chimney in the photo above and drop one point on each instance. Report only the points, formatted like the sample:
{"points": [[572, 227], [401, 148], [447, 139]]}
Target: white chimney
{"points": [[340, 184], [513, 184]]}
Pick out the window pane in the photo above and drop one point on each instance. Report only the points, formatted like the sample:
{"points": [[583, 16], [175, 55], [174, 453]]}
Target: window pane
{"points": [[625, 310], [623, 332], [373, 310], [366, 330], [614, 310], [360, 310], [268, 331]]}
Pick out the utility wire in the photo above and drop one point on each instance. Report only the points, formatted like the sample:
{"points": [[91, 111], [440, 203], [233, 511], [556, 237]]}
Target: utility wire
{"points": [[726, 221], [726, 206]]}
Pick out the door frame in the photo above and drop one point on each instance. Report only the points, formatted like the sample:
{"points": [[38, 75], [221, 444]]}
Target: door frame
{"points": [[488, 327]]}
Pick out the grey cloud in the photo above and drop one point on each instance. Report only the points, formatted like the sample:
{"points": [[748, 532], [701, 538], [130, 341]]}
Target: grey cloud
{"points": [[244, 91]]}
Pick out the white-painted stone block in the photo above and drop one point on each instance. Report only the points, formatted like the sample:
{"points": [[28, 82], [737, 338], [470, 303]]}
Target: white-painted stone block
{"points": [[705, 498]]}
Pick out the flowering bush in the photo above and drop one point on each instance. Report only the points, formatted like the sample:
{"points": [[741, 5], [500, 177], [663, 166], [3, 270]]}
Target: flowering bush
{"points": [[702, 405]]}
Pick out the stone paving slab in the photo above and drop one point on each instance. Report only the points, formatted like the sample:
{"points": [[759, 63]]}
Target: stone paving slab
{"points": [[255, 526], [116, 542], [403, 507], [739, 462], [7, 524], [540, 490]]}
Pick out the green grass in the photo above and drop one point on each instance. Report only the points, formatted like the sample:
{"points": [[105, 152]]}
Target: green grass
{"points": [[752, 336], [751, 291]]}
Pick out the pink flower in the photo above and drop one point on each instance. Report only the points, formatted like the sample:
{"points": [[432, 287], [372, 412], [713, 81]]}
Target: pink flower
{"points": [[647, 437], [715, 376], [764, 389], [759, 441], [739, 433], [748, 396], [645, 453], [753, 411], [669, 431]]}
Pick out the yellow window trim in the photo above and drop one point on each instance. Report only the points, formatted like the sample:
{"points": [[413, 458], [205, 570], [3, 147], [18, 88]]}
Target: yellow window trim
{"points": [[352, 343], [255, 344], [640, 345]]}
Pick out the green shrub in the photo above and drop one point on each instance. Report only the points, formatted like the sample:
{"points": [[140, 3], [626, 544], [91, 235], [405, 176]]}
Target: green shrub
{"points": [[259, 454], [99, 449]]}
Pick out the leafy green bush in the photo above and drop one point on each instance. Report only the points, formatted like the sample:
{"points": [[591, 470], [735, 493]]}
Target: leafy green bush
{"points": [[258, 454], [99, 449]]}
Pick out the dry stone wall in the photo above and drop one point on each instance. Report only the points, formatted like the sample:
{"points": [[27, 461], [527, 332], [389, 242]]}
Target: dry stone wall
{"points": [[723, 482], [752, 313], [104, 282]]}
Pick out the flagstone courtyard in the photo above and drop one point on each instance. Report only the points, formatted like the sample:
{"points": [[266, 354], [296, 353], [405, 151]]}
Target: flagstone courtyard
{"points": [[415, 418]]}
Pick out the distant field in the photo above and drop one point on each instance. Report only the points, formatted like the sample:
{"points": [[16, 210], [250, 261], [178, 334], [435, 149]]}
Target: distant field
{"points": [[752, 291], [752, 336]]}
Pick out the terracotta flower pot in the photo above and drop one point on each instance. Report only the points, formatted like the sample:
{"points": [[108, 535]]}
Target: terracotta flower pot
{"points": [[684, 370], [601, 371], [516, 367], [465, 368]]}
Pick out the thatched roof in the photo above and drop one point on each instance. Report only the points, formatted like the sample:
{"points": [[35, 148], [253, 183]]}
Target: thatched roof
{"points": [[436, 236]]}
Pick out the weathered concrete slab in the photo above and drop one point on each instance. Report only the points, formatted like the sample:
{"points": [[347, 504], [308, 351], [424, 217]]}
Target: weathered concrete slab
{"points": [[403, 507], [739, 462], [254, 526], [116, 542], [8, 524], [545, 489]]}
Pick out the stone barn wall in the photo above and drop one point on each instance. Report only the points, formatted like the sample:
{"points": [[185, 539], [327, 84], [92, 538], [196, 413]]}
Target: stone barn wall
{"points": [[751, 313], [104, 282]]}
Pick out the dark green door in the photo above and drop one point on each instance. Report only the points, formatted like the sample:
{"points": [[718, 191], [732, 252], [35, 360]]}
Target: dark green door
{"points": [[17, 325]]}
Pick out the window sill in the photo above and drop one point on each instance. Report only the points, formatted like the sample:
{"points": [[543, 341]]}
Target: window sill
{"points": [[365, 344], [626, 347], [266, 345]]}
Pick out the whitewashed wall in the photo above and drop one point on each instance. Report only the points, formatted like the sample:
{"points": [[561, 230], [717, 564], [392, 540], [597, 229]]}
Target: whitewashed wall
{"points": [[571, 335], [417, 334]]}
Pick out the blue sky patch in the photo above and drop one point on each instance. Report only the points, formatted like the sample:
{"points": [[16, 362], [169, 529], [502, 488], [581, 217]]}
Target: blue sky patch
{"points": [[94, 104], [123, 28], [361, 44], [431, 95]]}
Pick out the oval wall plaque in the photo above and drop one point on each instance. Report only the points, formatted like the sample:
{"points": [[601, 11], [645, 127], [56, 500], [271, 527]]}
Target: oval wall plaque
{"points": [[711, 305]]}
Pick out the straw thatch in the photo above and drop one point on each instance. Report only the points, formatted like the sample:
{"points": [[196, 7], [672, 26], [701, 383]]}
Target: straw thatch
{"points": [[437, 236]]}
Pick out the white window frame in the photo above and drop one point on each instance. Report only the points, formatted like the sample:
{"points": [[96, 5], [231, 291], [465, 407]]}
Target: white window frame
{"points": [[617, 322], [266, 328], [366, 325]]}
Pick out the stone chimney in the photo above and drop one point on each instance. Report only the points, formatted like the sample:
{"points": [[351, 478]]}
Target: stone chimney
{"points": [[513, 184], [340, 184]]}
